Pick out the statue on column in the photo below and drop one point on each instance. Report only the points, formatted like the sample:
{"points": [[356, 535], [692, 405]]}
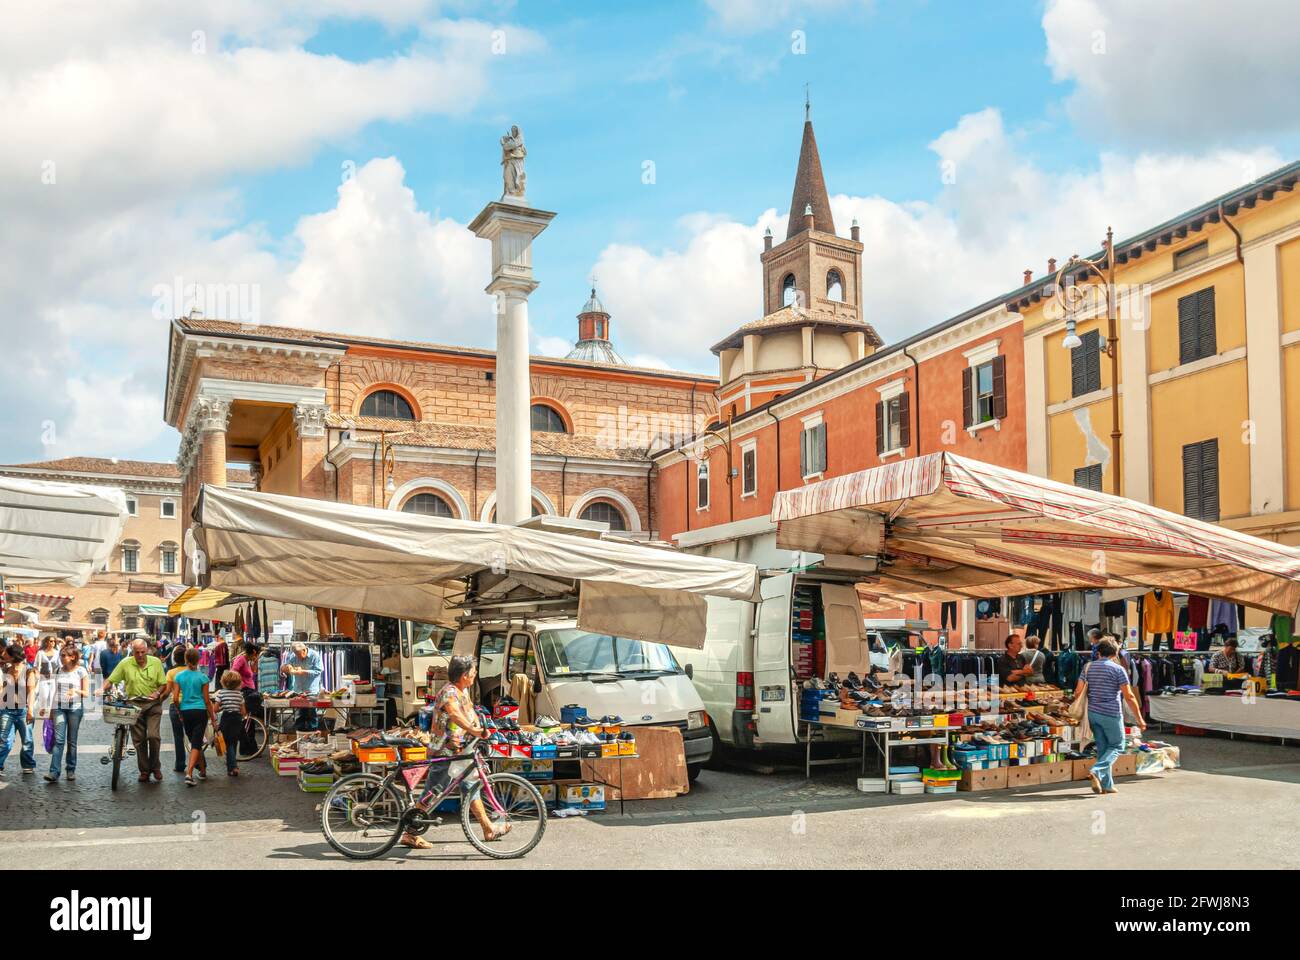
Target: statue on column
{"points": [[512, 164]]}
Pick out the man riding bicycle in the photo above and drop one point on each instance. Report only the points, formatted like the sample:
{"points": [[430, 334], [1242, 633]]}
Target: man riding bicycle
{"points": [[453, 719], [143, 678]]}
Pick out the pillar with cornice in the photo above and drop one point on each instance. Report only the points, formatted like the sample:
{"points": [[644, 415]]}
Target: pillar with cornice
{"points": [[309, 423], [212, 418]]}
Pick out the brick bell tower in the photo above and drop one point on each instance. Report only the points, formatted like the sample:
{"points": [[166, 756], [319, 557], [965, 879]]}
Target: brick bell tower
{"points": [[812, 319]]}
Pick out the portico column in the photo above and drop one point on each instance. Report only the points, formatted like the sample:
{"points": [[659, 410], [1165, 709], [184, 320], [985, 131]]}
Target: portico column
{"points": [[213, 415]]}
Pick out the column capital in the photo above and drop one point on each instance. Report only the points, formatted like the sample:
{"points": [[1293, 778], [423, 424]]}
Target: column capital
{"points": [[309, 419], [212, 413]]}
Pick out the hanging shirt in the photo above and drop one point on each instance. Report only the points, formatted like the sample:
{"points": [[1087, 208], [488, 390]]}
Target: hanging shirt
{"points": [[1223, 613], [1283, 629], [1072, 606], [1091, 607], [1158, 612], [1198, 612]]}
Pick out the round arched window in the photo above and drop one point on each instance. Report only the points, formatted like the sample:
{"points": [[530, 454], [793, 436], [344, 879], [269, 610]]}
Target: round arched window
{"points": [[834, 286], [429, 505], [548, 420], [603, 512], [387, 404], [537, 511], [788, 291]]}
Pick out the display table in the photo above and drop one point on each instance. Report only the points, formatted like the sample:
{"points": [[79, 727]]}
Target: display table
{"points": [[1230, 714]]}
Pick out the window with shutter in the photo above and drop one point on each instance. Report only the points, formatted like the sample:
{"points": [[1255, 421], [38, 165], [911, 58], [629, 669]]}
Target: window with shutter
{"points": [[1197, 337], [1201, 480], [880, 428], [968, 397], [999, 388], [812, 450], [904, 421], [1085, 364], [1089, 477], [748, 471]]}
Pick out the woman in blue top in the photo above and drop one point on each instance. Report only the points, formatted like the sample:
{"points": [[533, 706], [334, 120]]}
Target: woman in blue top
{"points": [[1106, 686], [191, 686]]}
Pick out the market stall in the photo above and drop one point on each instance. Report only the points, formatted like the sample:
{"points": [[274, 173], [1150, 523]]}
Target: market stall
{"points": [[942, 527], [57, 532], [1260, 716]]}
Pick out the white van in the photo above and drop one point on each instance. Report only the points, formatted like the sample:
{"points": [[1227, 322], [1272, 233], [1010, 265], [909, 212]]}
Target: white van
{"points": [[424, 647], [641, 682], [747, 673]]}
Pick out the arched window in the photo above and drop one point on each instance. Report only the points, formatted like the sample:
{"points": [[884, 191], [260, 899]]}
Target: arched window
{"points": [[788, 291], [100, 616], [603, 512], [547, 419], [387, 404], [835, 286], [429, 505], [537, 511]]}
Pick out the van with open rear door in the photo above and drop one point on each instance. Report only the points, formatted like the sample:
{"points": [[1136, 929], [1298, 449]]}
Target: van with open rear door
{"points": [[562, 664]]}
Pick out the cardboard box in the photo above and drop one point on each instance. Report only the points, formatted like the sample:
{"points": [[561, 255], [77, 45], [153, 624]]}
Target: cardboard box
{"points": [[1080, 768], [976, 781], [548, 792], [1125, 765], [585, 796], [1060, 772], [1024, 776], [530, 769]]}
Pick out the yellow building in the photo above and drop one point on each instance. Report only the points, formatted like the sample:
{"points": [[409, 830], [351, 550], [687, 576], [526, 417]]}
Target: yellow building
{"points": [[1208, 362]]}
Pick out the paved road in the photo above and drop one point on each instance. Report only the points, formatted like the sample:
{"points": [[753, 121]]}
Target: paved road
{"points": [[732, 818]]}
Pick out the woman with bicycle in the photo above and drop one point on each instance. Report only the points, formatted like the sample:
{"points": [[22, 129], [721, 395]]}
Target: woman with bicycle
{"points": [[453, 719]]}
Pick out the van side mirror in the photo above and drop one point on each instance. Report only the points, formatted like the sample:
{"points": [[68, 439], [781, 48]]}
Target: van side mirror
{"points": [[690, 671]]}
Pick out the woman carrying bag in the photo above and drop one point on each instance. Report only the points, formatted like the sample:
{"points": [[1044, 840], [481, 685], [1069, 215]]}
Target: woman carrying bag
{"points": [[1105, 689], [196, 711]]}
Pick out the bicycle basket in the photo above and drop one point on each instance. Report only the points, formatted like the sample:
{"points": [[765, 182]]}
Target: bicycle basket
{"points": [[121, 716]]}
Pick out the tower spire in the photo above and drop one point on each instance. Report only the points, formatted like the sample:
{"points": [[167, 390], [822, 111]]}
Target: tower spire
{"points": [[807, 104], [809, 184]]}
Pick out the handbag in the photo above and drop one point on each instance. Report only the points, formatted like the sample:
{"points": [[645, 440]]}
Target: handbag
{"points": [[219, 742], [49, 736]]}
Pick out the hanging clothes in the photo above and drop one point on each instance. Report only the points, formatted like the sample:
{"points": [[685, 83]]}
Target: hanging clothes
{"points": [[1223, 614], [1158, 612], [1283, 629], [1198, 612]]}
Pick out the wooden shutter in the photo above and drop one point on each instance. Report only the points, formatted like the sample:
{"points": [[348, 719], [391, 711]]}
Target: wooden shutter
{"points": [[904, 420], [1188, 327], [999, 388], [803, 452], [1192, 480], [968, 397], [1210, 480], [880, 428], [1078, 372], [1092, 360], [1207, 342]]}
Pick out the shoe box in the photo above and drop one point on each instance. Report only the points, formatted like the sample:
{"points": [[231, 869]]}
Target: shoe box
{"points": [[1025, 776], [581, 796], [315, 782], [977, 781], [872, 784], [572, 713], [1080, 768], [906, 788], [549, 793]]}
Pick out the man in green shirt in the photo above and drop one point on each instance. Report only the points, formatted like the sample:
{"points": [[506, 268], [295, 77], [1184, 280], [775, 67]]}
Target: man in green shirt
{"points": [[143, 678]]}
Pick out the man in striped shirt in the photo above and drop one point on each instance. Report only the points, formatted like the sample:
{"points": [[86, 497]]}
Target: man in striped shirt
{"points": [[1106, 685]]}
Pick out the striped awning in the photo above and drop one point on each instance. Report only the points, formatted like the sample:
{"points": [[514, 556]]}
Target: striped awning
{"points": [[946, 527], [49, 601]]}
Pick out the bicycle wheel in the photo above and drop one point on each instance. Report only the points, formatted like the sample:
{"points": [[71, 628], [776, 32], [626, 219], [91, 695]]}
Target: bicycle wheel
{"points": [[253, 742], [361, 816], [522, 810], [119, 748]]}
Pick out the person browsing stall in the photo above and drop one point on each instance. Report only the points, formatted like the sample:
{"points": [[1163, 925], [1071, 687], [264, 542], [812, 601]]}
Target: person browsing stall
{"points": [[143, 678], [1228, 660], [1010, 667], [1105, 685], [1034, 658], [303, 668]]}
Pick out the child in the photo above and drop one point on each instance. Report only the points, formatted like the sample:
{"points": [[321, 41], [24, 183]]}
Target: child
{"points": [[230, 703]]}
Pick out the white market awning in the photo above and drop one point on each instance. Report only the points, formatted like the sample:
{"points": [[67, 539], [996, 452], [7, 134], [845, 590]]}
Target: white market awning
{"points": [[57, 532], [948, 527], [405, 565]]}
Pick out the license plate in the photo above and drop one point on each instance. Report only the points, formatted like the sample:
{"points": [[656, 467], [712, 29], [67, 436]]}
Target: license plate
{"points": [[772, 694]]}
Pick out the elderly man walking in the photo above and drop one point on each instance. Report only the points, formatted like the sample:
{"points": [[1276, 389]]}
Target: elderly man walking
{"points": [[144, 678]]}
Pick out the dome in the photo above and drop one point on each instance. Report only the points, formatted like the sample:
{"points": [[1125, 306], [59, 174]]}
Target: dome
{"points": [[593, 304]]}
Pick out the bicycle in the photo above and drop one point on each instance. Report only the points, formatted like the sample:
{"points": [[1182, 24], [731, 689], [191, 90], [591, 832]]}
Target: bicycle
{"points": [[253, 738], [121, 714], [364, 814]]}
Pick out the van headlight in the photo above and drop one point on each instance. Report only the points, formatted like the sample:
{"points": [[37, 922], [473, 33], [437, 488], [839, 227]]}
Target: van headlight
{"points": [[697, 720]]}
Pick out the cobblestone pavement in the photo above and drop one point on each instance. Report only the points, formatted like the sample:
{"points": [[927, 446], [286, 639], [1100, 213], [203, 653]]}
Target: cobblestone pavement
{"points": [[732, 817]]}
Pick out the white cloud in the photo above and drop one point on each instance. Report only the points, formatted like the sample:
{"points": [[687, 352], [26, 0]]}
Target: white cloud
{"points": [[924, 260], [1176, 71], [749, 15], [545, 346]]}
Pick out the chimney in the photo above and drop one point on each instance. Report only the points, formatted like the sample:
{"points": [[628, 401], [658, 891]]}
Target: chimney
{"points": [[854, 232], [1029, 277], [1051, 265], [808, 217], [767, 239]]}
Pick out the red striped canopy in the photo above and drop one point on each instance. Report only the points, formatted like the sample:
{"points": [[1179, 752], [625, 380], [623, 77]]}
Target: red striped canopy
{"points": [[946, 528]]}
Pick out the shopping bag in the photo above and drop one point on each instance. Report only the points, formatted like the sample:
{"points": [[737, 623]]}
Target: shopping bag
{"points": [[49, 735], [220, 744]]}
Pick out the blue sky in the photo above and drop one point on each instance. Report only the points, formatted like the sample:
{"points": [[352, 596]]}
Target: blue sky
{"points": [[223, 161]]}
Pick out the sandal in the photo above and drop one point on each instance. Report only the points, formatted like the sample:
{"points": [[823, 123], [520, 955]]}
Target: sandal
{"points": [[416, 843]]}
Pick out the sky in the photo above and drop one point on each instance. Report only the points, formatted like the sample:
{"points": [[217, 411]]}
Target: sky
{"points": [[314, 163]]}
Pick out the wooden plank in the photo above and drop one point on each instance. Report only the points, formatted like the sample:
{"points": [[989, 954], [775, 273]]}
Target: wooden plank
{"points": [[658, 772]]}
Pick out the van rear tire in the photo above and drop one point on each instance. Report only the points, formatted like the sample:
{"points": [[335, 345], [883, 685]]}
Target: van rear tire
{"points": [[693, 772]]}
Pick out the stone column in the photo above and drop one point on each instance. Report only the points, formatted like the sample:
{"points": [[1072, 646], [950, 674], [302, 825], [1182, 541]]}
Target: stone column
{"points": [[309, 421], [511, 227], [212, 415]]}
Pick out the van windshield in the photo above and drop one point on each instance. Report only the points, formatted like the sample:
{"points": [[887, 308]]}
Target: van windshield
{"points": [[431, 640], [570, 652]]}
